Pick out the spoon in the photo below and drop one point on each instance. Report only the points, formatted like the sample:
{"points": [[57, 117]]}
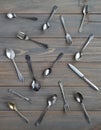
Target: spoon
{"points": [[67, 35], [85, 11], [79, 98], [11, 55], [24, 36], [50, 102], [48, 71], [79, 54], [13, 15], [13, 107], [35, 83], [46, 25]]}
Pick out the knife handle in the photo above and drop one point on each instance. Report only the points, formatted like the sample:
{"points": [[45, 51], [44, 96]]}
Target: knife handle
{"points": [[91, 84]]}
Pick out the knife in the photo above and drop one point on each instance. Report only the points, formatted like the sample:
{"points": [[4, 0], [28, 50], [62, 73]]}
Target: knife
{"points": [[82, 76]]}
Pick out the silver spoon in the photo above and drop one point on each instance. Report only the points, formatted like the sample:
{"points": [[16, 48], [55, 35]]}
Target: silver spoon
{"points": [[24, 36], [11, 55], [79, 54], [50, 102], [13, 107], [79, 98], [13, 15], [35, 83], [48, 71], [46, 25], [85, 11], [67, 35]]}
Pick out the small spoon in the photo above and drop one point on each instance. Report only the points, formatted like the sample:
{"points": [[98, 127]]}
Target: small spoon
{"points": [[50, 102], [46, 25], [48, 71], [79, 54], [13, 107], [13, 15], [11, 55], [79, 98], [35, 83]]}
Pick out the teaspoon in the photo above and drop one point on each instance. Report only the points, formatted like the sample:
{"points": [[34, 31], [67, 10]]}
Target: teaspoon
{"points": [[79, 98], [13, 107], [50, 102], [79, 54], [13, 15], [46, 25], [11, 55], [48, 71], [35, 83]]}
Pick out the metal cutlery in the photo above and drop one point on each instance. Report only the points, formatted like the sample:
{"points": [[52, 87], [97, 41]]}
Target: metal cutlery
{"points": [[23, 36], [82, 76], [66, 105], [19, 95], [67, 35]]}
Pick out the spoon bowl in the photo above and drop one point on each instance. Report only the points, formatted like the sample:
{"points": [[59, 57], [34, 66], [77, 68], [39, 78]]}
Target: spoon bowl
{"points": [[47, 72], [78, 97], [11, 15], [35, 85], [10, 53], [77, 56]]}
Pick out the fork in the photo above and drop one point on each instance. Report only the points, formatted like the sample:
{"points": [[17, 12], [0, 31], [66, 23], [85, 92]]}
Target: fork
{"points": [[24, 36], [66, 105]]}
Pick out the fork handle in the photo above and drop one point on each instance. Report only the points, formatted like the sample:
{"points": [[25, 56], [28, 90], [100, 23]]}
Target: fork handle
{"points": [[39, 43]]}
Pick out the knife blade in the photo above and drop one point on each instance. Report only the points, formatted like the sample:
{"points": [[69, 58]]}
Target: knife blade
{"points": [[82, 76]]}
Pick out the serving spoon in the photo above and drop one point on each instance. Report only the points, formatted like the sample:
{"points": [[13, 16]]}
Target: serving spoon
{"points": [[13, 107], [35, 85], [79, 54], [48, 71], [79, 98], [50, 102], [46, 25], [13, 15], [11, 55]]}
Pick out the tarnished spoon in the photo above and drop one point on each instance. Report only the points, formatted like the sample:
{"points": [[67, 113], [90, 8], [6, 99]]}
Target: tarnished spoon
{"points": [[11, 55], [48, 71], [35, 85], [79, 54], [13, 15], [13, 107], [46, 25], [50, 102]]}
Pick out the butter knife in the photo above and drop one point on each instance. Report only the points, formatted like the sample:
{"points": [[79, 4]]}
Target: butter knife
{"points": [[82, 76]]}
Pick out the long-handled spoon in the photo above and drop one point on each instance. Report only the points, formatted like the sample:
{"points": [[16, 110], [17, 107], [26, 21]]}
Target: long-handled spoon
{"points": [[85, 11], [67, 35], [11, 55], [79, 54], [48, 71], [46, 25], [19, 95], [35, 83], [50, 102], [13, 15], [13, 107], [79, 98], [23, 36]]}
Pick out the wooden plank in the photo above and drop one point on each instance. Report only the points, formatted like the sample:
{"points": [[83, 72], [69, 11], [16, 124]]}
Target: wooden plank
{"points": [[92, 99], [43, 6], [9, 28], [53, 120]]}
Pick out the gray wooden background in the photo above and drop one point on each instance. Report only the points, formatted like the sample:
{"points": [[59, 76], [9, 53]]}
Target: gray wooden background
{"points": [[90, 64]]}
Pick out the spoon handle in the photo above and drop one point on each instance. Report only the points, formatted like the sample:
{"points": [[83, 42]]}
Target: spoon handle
{"points": [[29, 18], [37, 123], [85, 113], [52, 13], [58, 58], [91, 36], [21, 115], [20, 76], [40, 43], [82, 22]]}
